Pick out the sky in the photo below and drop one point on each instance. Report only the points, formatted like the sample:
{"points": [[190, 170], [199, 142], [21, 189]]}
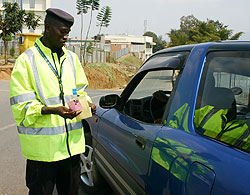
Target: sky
{"points": [[129, 16]]}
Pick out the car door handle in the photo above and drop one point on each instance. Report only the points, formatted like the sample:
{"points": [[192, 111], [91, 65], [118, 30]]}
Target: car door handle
{"points": [[141, 142]]}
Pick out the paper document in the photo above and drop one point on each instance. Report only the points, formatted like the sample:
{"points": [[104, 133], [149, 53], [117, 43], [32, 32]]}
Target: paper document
{"points": [[80, 103], [86, 110]]}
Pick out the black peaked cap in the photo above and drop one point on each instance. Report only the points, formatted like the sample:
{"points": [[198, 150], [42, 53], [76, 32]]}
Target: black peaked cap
{"points": [[60, 15]]}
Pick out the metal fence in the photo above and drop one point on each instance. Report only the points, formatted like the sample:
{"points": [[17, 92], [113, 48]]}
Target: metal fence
{"points": [[10, 44], [96, 56], [121, 53]]}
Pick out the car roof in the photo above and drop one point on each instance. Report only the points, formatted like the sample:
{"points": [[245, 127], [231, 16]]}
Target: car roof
{"points": [[212, 46], [218, 45]]}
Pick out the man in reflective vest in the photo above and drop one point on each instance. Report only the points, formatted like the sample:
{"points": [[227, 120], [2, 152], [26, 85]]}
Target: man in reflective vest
{"points": [[44, 78]]}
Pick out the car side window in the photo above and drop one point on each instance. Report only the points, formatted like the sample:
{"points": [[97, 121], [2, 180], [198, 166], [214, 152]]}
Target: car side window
{"points": [[223, 110], [148, 101]]}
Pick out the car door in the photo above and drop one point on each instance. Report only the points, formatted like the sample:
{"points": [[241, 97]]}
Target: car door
{"points": [[126, 134], [186, 160]]}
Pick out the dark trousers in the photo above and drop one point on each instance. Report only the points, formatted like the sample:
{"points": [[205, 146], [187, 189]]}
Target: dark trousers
{"points": [[41, 177]]}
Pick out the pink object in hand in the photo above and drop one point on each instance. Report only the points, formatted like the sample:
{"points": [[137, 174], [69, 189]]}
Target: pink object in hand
{"points": [[75, 105]]}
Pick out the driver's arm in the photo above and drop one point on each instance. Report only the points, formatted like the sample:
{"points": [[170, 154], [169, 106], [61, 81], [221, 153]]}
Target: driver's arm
{"points": [[161, 96]]}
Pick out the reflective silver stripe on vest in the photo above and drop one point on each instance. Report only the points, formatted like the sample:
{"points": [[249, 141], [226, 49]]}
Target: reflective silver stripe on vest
{"points": [[25, 111], [48, 130], [71, 61], [69, 97], [53, 100], [32, 96], [32, 59], [22, 98], [82, 87], [242, 138], [57, 100]]}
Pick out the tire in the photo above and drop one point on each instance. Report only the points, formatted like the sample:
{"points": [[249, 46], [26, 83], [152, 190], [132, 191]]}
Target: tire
{"points": [[91, 180]]}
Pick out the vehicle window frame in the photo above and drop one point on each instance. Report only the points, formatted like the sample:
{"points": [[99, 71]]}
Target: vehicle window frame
{"points": [[144, 73], [202, 87], [141, 74]]}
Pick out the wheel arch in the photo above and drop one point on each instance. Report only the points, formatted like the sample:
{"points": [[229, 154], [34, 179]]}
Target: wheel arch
{"points": [[87, 132]]}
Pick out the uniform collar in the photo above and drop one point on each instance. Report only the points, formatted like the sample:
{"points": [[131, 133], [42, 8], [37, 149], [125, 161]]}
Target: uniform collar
{"points": [[47, 50]]}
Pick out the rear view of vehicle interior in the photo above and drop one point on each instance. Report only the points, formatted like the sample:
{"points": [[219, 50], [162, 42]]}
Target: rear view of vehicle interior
{"points": [[226, 81]]}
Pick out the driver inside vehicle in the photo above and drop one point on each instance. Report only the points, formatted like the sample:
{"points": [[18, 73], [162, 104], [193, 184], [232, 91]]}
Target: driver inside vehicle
{"points": [[162, 100]]}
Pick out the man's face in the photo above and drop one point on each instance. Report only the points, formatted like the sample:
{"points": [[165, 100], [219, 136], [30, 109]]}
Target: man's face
{"points": [[57, 34]]}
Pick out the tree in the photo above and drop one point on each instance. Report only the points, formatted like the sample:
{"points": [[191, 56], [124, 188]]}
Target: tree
{"points": [[94, 5], [160, 43], [193, 31], [82, 6], [32, 20], [12, 20], [104, 18]]}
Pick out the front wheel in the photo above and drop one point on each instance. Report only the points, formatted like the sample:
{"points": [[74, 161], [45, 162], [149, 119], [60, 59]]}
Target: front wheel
{"points": [[91, 179], [87, 167]]}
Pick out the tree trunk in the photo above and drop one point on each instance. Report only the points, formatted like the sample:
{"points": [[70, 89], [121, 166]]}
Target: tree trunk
{"points": [[81, 37], [87, 34]]}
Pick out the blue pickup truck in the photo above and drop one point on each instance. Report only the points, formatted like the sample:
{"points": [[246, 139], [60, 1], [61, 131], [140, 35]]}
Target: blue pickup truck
{"points": [[181, 126]]}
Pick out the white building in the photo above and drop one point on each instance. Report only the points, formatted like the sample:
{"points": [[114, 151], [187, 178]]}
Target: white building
{"points": [[36, 6], [142, 46]]}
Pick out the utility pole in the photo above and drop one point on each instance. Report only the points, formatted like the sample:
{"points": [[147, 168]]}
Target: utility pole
{"points": [[21, 4]]}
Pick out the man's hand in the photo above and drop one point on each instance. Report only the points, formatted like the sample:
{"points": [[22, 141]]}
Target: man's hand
{"points": [[93, 108], [61, 111], [66, 113]]}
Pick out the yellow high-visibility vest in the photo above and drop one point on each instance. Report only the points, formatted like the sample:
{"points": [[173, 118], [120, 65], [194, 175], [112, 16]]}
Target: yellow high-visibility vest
{"points": [[213, 122], [33, 85]]}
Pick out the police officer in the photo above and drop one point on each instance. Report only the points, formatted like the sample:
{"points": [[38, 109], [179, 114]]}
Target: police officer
{"points": [[44, 78]]}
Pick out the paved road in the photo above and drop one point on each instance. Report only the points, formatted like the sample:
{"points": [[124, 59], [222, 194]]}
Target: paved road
{"points": [[12, 164]]}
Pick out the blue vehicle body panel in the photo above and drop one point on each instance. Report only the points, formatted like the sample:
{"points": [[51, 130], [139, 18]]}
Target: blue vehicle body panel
{"points": [[130, 156], [174, 161], [181, 149], [191, 77], [93, 122], [200, 179]]}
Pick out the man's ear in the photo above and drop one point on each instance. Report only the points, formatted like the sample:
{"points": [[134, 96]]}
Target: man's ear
{"points": [[47, 27]]}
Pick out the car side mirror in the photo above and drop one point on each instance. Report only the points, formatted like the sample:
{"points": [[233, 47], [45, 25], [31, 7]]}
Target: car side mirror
{"points": [[109, 101]]}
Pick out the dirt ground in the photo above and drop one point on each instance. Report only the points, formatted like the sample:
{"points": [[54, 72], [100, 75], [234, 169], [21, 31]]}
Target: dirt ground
{"points": [[98, 78], [5, 71], [5, 74]]}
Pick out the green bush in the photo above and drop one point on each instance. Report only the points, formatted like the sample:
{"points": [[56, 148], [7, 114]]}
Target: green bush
{"points": [[12, 52]]}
